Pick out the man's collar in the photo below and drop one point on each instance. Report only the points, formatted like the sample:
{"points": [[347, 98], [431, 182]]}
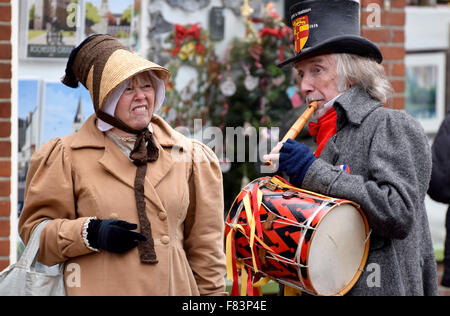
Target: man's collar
{"points": [[318, 114], [355, 104]]}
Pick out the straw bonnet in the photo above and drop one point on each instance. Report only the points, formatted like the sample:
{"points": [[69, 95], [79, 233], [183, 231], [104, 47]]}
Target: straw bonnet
{"points": [[328, 26], [102, 64]]}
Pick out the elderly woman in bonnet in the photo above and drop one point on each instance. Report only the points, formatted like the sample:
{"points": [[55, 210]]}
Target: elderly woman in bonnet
{"points": [[124, 208]]}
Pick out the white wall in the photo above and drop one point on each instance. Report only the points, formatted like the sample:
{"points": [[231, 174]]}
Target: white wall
{"points": [[427, 28]]}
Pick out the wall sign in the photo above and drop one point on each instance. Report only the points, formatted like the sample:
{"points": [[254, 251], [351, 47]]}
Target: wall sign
{"points": [[216, 24]]}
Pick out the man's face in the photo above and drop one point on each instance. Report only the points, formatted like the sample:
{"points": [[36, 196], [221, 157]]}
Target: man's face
{"points": [[318, 78]]}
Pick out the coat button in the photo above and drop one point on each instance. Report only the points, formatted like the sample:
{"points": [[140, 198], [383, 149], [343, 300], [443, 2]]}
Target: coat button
{"points": [[165, 239], [162, 216]]}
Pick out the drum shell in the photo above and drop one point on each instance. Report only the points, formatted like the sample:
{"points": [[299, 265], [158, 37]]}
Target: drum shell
{"points": [[287, 236]]}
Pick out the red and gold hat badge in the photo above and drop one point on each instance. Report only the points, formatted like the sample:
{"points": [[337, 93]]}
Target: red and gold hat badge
{"points": [[301, 32]]}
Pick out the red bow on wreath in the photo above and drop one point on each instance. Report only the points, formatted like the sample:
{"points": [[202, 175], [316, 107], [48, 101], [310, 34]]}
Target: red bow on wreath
{"points": [[278, 33], [181, 33]]}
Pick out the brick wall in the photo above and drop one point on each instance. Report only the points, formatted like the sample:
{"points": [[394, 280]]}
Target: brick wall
{"points": [[5, 131], [389, 35]]}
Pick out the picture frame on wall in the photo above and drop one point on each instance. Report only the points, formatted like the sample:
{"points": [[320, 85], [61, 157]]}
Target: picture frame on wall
{"points": [[425, 88], [116, 18], [51, 28]]}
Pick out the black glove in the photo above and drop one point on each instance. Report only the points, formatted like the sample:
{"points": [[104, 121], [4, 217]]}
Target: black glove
{"points": [[113, 235]]}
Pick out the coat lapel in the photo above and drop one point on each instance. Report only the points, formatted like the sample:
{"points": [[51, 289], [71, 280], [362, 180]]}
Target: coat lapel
{"points": [[353, 106], [119, 166]]}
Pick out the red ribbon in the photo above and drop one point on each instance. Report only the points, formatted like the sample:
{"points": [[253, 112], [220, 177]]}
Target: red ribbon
{"points": [[266, 31], [249, 282], [278, 33], [181, 33]]}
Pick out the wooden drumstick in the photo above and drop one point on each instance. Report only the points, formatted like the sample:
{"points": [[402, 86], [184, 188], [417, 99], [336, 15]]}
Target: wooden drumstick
{"points": [[298, 125]]}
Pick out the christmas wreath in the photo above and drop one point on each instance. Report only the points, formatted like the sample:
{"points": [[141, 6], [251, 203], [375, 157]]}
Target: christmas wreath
{"points": [[191, 47]]}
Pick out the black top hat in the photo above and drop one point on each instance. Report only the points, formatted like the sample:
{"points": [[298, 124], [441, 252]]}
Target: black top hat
{"points": [[328, 26]]}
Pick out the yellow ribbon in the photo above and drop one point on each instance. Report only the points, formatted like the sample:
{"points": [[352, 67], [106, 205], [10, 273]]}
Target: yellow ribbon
{"points": [[262, 282], [229, 255], [244, 279], [251, 223], [290, 291]]}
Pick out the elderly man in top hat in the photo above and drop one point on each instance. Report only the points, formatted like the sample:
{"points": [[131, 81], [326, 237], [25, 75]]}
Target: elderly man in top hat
{"points": [[377, 157]]}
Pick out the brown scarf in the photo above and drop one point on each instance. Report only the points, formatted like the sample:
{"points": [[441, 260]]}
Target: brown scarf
{"points": [[144, 151], [95, 51]]}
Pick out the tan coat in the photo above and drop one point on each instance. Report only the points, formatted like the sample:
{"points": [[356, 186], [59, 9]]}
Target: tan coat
{"points": [[85, 174]]}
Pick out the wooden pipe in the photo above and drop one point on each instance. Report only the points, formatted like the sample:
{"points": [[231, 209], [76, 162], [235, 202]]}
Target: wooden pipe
{"points": [[298, 125]]}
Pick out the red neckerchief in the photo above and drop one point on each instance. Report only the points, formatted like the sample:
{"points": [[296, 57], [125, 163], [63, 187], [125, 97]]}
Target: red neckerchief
{"points": [[323, 129]]}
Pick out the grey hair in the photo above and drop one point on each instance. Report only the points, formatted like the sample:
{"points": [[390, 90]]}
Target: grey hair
{"points": [[353, 69]]}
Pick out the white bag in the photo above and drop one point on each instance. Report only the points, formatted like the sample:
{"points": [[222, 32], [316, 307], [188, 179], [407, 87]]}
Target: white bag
{"points": [[29, 277]]}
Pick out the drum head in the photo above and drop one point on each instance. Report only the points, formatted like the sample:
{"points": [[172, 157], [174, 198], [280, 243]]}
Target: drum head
{"points": [[337, 250]]}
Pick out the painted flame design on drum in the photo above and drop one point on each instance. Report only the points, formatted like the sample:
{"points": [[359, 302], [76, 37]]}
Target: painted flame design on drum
{"points": [[288, 220]]}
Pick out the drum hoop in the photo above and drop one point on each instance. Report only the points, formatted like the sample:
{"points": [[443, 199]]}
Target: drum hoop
{"points": [[360, 269]]}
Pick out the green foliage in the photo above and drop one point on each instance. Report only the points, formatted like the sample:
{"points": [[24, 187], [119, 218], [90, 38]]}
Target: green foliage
{"points": [[92, 14], [125, 19], [31, 14]]}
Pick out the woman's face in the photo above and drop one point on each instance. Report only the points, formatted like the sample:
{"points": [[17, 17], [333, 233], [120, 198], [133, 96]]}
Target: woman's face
{"points": [[135, 106]]}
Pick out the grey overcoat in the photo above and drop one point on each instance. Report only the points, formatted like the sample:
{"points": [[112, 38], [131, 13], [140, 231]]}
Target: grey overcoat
{"points": [[390, 166]]}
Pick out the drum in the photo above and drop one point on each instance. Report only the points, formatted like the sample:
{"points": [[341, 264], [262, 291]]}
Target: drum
{"points": [[305, 240]]}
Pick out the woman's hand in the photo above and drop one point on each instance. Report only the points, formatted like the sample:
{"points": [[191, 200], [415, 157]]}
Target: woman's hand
{"points": [[113, 235]]}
